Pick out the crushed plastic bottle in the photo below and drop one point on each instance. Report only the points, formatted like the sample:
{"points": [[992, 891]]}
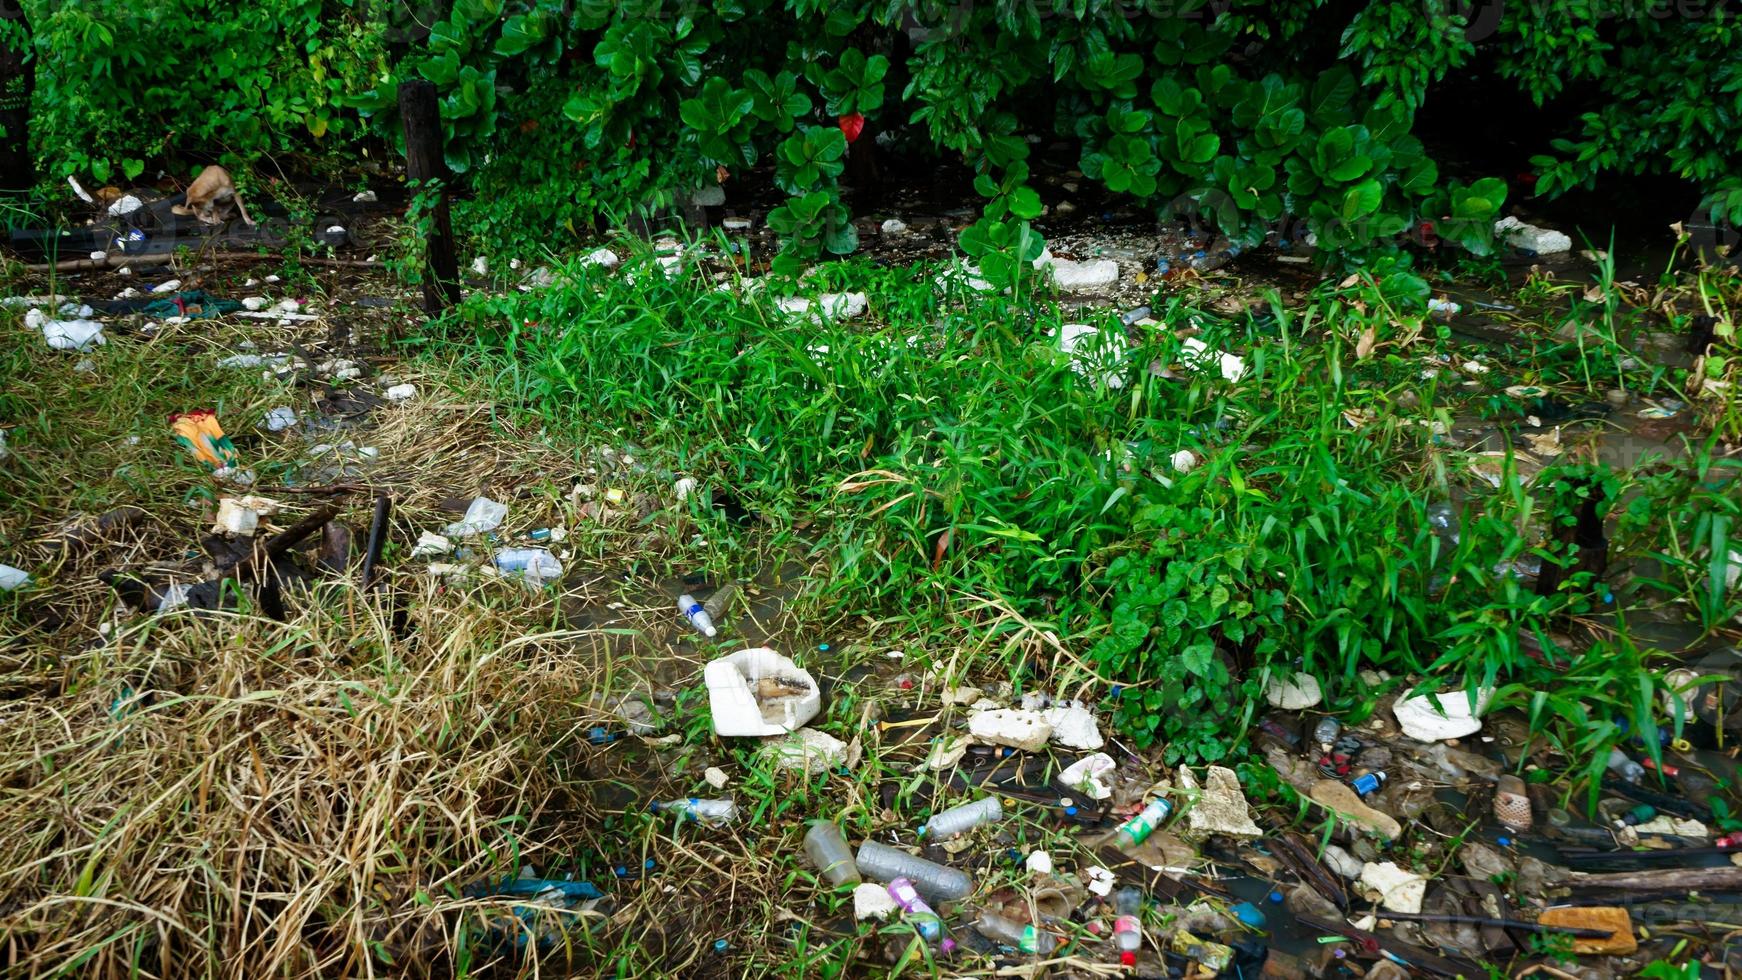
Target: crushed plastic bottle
{"points": [[720, 601], [1128, 928], [942, 883], [1137, 830], [959, 820], [697, 615], [710, 812]]}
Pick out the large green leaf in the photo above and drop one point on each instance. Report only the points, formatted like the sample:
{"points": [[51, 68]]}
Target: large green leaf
{"points": [[1361, 200]]}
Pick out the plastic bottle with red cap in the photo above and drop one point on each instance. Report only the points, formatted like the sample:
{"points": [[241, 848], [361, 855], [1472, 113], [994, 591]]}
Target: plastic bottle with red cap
{"points": [[1128, 928]]}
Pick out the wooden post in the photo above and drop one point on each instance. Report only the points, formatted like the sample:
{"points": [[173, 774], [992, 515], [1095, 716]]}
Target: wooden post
{"points": [[17, 82], [424, 163]]}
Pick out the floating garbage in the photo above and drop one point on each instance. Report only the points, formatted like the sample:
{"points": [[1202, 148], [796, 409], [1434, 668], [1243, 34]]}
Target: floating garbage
{"points": [[431, 545], [758, 692], [1199, 355], [1080, 277], [1025, 730], [1128, 928], [1023, 936], [1454, 718], [73, 335], [1073, 726], [939, 882], [1221, 807], [199, 432], [828, 306], [1087, 774], [602, 257], [483, 515], [1089, 348], [279, 419], [236, 518], [872, 901], [696, 614], [808, 751], [711, 813], [1137, 829], [826, 849], [925, 920], [537, 566], [1399, 890], [550, 895], [1294, 692], [1530, 238], [959, 820]]}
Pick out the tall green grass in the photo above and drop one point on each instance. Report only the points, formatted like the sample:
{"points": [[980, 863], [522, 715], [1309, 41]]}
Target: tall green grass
{"points": [[943, 447]]}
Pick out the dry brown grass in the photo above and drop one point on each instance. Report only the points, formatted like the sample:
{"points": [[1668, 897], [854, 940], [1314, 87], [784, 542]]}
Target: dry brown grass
{"points": [[221, 795]]}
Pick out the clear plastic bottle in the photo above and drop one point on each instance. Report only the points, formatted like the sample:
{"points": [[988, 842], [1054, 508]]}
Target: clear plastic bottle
{"points": [[941, 883], [1012, 933], [925, 920], [1626, 768], [697, 616], [710, 812], [827, 849], [961, 819], [1128, 928], [536, 565], [720, 601], [1137, 830]]}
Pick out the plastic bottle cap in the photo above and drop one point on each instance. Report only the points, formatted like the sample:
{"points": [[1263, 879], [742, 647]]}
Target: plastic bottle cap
{"points": [[1503, 841], [822, 646], [1276, 898], [720, 945], [1127, 958]]}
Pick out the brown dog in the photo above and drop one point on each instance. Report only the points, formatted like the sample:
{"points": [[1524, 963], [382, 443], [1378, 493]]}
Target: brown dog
{"points": [[213, 199]]}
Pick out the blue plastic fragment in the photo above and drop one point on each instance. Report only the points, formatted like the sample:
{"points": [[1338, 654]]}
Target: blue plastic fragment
{"points": [[575, 891], [1250, 915]]}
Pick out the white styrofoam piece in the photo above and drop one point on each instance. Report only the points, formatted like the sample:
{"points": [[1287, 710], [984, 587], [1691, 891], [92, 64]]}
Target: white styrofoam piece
{"points": [[732, 699]]}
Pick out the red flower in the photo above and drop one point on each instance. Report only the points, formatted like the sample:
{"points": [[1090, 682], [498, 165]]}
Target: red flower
{"points": [[852, 124]]}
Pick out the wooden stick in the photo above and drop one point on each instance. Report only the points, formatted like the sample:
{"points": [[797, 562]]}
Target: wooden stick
{"points": [[262, 554], [1662, 881], [377, 539]]}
